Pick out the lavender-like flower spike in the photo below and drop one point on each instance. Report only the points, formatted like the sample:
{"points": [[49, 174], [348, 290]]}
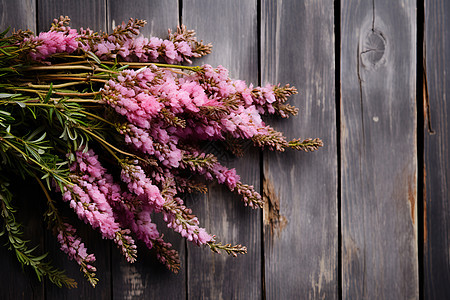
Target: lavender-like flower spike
{"points": [[126, 244], [271, 99], [140, 185], [307, 145], [228, 248], [187, 43], [51, 42], [208, 166], [272, 139], [166, 255], [125, 44], [180, 219], [71, 244], [89, 195]]}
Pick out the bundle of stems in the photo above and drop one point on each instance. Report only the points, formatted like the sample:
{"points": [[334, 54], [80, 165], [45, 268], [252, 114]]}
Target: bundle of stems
{"points": [[115, 126]]}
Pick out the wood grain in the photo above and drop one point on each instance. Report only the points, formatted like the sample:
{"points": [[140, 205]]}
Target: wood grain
{"points": [[378, 146], [160, 15], [147, 278], [20, 14], [301, 251], [436, 151], [231, 26], [83, 13]]}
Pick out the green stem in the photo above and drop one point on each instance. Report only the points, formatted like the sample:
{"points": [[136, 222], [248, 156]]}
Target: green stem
{"points": [[110, 147], [138, 64], [73, 76], [75, 100], [194, 68], [37, 102], [99, 118], [59, 67], [49, 200], [69, 67], [55, 86], [23, 90], [77, 94]]}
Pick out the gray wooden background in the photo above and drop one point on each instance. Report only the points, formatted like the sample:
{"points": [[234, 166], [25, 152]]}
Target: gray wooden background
{"points": [[366, 217]]}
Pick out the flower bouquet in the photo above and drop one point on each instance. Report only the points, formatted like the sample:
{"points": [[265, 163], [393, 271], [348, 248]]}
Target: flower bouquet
{"points": [[115, 125]]}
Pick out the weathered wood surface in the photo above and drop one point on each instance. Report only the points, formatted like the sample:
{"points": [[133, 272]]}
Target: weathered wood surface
{"points": [[20, 14], [300, 189], [378, 147], [294, 247], [232, 28], [84, 13], [160, 15], [436, 151]]}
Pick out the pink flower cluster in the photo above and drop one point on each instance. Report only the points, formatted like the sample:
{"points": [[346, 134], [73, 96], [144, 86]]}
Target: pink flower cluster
{"points": [[140, 185], [48, 43], [71, 245], [180, 219], [162, 115], [210, 168], [141, 49], [167, 110], [205, 105], [91, 194], [123, 44]]}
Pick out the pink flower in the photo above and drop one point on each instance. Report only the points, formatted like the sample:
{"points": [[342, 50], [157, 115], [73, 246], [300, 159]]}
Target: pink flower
{"points": [[139, 184]]}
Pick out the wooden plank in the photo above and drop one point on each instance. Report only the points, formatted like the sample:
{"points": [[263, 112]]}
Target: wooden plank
{"points": [[160, 15], [378, 147], [20, 14], [300, 221], [18, 283], [436, 151], [83, 13], [231, 26], [147, 278]]}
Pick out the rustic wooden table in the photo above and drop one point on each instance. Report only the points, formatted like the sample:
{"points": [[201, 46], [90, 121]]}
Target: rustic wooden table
{"points": [[365, 217]]}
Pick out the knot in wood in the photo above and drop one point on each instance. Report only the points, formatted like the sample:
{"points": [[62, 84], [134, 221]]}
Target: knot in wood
{"points": [[374, 48]]}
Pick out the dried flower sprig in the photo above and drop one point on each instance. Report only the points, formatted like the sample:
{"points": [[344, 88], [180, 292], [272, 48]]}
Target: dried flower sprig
{"points": [[115, 125]]}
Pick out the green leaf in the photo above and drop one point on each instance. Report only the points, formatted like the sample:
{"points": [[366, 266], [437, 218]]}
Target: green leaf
{"points": [[39, 258], [50, 115], [93, 56], [123, 67], [32, 112], [4, 95], [47, 97], [4, 52], [4, 32], [21, 104], [105, 67]]}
